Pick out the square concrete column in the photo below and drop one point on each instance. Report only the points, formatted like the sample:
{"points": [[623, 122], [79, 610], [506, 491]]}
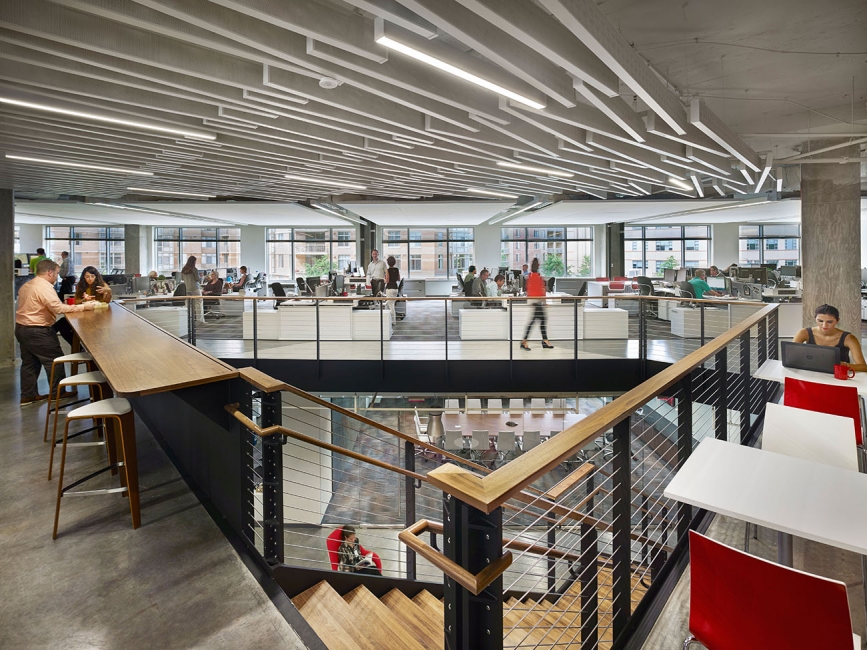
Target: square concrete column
{"points": [[132, 249], [7, 286], [831, 237]]}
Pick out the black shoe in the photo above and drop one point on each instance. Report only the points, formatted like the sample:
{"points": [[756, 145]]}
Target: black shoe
{"points": [[524, 346], [546, 345]]}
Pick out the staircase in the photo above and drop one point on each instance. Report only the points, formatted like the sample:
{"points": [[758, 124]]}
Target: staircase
{"points": [[361, 621]]}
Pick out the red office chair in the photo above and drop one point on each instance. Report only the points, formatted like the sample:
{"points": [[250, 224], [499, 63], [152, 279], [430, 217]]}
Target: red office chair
{"points": [[738, 601], [602, 279], [825, 398], [332, 542]]}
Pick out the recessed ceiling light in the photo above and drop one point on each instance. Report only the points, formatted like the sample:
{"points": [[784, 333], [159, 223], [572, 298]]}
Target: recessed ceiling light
{"points": [[111, 120], [63, 163], [679, 183], [463, 74], [530, 168], [478, 190], [158, 192], [319, 181]]}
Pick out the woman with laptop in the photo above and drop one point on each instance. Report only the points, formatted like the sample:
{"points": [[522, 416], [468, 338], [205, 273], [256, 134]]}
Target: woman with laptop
{"points": [[828, 334]]}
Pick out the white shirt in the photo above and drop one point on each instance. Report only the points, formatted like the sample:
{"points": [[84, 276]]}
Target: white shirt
{"points": [[376, 270]]}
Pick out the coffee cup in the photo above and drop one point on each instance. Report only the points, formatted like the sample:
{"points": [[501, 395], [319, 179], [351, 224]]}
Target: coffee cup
{"points": [[70, 301], [843, 372]]}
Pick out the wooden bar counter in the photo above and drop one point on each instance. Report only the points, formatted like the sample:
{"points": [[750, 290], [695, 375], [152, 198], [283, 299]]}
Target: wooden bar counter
{"points": [[138, 358]]}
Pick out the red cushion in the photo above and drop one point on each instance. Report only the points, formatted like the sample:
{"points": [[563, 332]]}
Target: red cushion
{"points": [[739, 601], [825, 398]]}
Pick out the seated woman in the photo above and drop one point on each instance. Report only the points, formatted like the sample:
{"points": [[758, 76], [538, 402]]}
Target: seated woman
{"points": [[92, 287], [214, 285], [241, 282], [353, 558], [827, 333]]}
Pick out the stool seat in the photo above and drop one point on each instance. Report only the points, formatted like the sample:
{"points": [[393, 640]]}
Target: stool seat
{"points": [[114, 406], [84, 379], [74, 357]]}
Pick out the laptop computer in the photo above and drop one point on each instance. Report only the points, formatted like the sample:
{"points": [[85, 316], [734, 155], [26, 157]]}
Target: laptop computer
{"points": [[804, 356]]}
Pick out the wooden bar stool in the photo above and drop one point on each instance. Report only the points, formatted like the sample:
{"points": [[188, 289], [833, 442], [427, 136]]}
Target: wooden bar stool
{"points": [[98, 385], [117, 415], [74, 360]]}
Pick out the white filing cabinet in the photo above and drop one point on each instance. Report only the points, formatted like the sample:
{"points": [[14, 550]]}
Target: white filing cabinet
{"points": [[560, 321], [606, 323], [267, 322], [366, 324], [484, 324]]}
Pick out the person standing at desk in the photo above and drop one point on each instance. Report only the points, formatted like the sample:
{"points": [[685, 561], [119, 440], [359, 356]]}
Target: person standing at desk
{"points": [[190, 275], [40, 255], [392, 281], [525, 271], [827, 333], [376, 273], [536, 295], [38, 308], [700, 285]]}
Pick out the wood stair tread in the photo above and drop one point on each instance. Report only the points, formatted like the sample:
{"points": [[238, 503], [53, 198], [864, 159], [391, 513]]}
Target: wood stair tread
{"points": [[426, 599], [376, 622], [416, 618], [330, 617]]}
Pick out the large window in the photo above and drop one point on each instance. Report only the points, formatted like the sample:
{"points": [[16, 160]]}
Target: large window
{"points": [[214, 248], [309, 252], [102, 248], [428, 252], [649, 250], [778, 244], [561, 251]]}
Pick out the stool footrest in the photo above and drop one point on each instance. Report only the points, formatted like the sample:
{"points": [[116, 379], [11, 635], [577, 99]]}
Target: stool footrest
{"points": [[90, 476], [76, 434], [84, 493], [67, 405], [99, 443]]}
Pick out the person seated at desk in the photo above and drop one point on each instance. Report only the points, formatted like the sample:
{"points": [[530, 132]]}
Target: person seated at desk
{"points": [[714, 272], [495, 290], [700, 285], [214, 285], [470, 277], [525, 271], [92, 287], [480, 284], [827, 333], [241, 282]]}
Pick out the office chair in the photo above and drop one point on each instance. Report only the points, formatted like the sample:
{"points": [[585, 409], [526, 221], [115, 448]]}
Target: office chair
{"points": [[277, 290], [686, 290], [301, 287], [460, 280], [180, 291], [212, 307], [645, 288], [550, 285]]}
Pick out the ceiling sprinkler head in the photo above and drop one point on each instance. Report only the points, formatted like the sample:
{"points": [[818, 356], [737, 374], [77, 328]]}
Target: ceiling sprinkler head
{"points": [[328, 83]]}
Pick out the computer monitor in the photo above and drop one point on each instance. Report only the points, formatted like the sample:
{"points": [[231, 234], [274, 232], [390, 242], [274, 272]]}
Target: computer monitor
{"points": [[771, 266], [503, 270], [737, 289], [682, 275], [788, 271], [339, 284], [753, 274], [517, 273], [716, 282], [312, 283], [141, 285], [669, 275]]}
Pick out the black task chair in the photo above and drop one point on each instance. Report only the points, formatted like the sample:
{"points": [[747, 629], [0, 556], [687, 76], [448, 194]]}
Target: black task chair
{"points": [[645, 288], [460, 280], [277, 290], [686, 290], [301, 287], [551, 281], [180, 291]]}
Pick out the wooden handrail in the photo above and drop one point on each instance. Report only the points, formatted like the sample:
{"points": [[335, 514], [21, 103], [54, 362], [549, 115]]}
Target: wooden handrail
{"points": [[490, 492], [475, 584], [281, 430]]}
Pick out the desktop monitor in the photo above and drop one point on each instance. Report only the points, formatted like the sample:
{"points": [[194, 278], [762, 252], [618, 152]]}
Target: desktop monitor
{"points": [[771, 266], [670, 276], [503, 269], [753, 274], [517, 273], [141, 285], [717, 282], [795, 272], [311, 283], [682, 275]]}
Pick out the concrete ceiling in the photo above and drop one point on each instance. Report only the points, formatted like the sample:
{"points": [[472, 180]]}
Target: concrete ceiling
{"points": [[228, 97]]}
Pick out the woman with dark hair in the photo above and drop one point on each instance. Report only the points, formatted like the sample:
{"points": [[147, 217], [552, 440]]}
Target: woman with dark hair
{"points": [[91, 286], [827, 333], [190, 275], [536, 297], [392, 282], [352, 557]]}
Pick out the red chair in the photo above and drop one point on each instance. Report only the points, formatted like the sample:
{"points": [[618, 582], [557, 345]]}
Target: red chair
{"points": [[738, 601], [602, 279], [333, 541], [825, 398]]}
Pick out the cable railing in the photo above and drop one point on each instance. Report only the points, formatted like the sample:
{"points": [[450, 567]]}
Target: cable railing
{"points": [[383, 329]]}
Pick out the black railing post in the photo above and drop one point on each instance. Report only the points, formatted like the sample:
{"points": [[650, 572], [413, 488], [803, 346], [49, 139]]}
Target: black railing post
{"points": [[575, 338], [642, 336], [744, 382], [621, 556], [381, 342], [773, 334], [473, 540], [701, 307], [720, 399], [191, 320], [409, 489], [552, 561], [272, 484], [684, 447], [589, 576], [446, 334], [247, 443], [255, 331], [318, 337], [762, 355], [511, 338]]}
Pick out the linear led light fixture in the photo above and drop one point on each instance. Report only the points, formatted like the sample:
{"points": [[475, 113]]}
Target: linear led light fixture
{"points": [[779, 179], [524, 208], [463, 74], [530, 168], [697, 183], [159, 192], [63, 163], [766, 169], [163, 213], [109, 120], [679, 183], [319, 181], [503, 195], [335, 213]]}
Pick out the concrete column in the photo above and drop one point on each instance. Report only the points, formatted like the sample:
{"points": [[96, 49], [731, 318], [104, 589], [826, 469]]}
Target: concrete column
{"points": [[7, 293], [831, 237], [132, 249], [614, 250]]}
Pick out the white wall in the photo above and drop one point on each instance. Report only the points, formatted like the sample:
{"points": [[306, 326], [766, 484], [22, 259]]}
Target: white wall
{"points": [[254, 251], [31, 237], [487, 250], [724, 245]]}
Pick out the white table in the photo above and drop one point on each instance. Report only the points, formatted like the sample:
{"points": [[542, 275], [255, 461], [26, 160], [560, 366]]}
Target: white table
{"points": [[794, 496], [773, 370]]}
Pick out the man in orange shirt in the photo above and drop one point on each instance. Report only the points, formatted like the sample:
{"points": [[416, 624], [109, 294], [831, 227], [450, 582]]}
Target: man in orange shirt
{"points": [[38, 307]]}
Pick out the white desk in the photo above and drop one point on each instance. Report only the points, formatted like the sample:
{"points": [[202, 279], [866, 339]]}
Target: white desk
{"points": [[773, 370], [799, 497], [484, 324]]}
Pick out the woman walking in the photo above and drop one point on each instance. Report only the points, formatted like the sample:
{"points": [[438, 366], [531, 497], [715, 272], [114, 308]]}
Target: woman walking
{"points": [[536, 297]]}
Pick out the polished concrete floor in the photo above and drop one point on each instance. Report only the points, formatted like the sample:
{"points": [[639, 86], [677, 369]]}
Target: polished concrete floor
{"points": [[173, 583]]}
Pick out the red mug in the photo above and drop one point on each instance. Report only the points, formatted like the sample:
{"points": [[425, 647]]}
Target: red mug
{"points": [[70, 301], [843, 372]]}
